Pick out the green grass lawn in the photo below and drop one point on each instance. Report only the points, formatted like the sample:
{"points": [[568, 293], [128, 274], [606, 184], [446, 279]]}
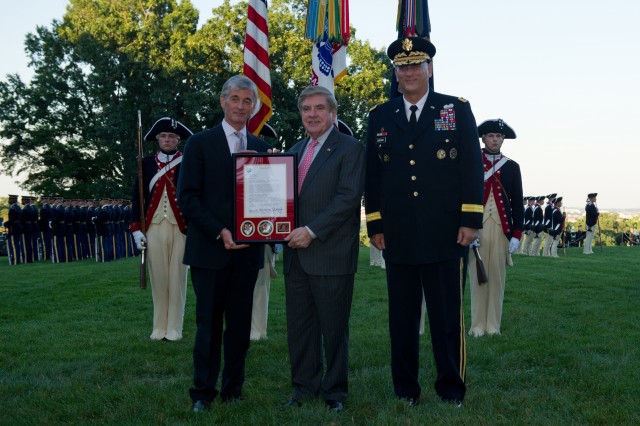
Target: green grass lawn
{"points": [[75, 349]]}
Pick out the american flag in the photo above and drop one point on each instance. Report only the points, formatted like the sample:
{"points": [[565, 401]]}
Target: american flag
{"points": [[256, 62]]}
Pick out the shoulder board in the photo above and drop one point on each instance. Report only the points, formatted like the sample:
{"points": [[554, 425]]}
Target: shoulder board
{"points": [[373, 108], [463, 100]]}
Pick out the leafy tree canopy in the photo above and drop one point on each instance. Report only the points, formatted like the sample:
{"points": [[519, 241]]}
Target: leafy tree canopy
{"points": [[72, 128]]}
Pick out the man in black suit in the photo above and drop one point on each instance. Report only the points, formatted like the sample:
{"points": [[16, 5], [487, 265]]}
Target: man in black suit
{"points": [[223, 272], [423, 198], [321, 256]]}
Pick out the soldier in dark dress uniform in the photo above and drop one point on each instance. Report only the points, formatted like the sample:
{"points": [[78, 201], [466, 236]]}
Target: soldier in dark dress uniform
{"points": [[59, 227], [27, 230], [104, 243], [13, 225], [91, 228], [46, 234], [423, 199]]}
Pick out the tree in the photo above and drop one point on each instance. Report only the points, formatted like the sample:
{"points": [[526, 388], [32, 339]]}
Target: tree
{"points": [[72, 128]]}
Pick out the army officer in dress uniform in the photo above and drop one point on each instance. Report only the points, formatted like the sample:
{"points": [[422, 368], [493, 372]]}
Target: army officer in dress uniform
{"points": [[423, 199], [165, 226], [501, 227]]}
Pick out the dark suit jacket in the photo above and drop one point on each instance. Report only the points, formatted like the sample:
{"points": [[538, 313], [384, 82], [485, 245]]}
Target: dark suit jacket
{"points": [[205, 196], [329, 204], [422, 184]]}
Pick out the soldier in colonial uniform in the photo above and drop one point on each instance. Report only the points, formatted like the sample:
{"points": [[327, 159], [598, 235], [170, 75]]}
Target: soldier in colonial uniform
{"points": [[165, 228], [537, 226], [501, 227], [525, 204], [423, 199], [592, 214], [556, 227], [13, 225], [528, 220], [548, 212]]}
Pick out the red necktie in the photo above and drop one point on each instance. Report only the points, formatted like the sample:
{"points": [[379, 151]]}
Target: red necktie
{"points": [[303, 168]]}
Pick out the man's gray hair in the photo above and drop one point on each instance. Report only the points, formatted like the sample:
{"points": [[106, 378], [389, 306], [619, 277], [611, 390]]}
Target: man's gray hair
{"points": [[318, 90], [239, 82]]}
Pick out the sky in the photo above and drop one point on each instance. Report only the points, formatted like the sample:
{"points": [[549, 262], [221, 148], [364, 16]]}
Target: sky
{"points": [[563, 74]]}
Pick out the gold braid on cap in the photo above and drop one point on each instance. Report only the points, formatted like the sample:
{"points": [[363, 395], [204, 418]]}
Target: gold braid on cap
{"points": [[408, 58]]}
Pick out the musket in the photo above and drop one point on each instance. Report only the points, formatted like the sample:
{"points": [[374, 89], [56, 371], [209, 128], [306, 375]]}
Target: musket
{"points": [[143, 224], [599, 234], [564, 232], [482, 273]]}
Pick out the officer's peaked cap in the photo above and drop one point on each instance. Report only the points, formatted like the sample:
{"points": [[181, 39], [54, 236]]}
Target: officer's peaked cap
{"points": [[410, 50]]}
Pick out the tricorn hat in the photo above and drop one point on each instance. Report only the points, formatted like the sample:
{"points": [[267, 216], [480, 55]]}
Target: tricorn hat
{"points": [[167, 124], [552, 196], [268, 131], [540, 198], [496, 125], [593, 194], [410, 50], [558, 200]]}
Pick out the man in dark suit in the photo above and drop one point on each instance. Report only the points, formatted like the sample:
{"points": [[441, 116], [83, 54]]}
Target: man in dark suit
{"points": [[223, 272], [321, 256], [423, 198]]}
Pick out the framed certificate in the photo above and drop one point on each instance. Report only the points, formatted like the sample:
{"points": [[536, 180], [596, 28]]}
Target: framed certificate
{"points": [[265, 197]]}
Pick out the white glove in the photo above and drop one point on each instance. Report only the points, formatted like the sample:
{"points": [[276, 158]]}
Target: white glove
{"points": [[475, 243], [141, 240], [513, 244]]}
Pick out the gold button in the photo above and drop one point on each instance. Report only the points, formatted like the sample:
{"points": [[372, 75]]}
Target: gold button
{"points": [[412, 162], [446, 140], [413, 178], [415, 194], [411, 146]]}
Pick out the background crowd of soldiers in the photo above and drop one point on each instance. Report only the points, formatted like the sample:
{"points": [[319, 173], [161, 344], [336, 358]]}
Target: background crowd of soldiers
{"points": [[67, 230], [544, 226]]}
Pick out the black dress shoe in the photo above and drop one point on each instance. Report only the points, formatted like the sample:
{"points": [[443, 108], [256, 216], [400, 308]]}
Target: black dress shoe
{"points": [[411, 402], [335, 406], [201, 405], [232, 399], [292, 403], [455, 402]]}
